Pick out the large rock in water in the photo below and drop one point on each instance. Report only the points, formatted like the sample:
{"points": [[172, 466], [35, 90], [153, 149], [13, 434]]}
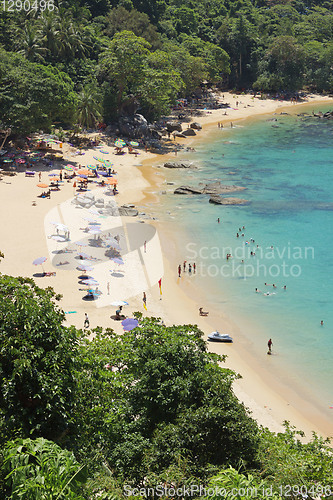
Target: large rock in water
{"points": [[187, 190], [178, 164], [212, 188], [173, 126], [218, 188], [218, 200], [134, 126]]}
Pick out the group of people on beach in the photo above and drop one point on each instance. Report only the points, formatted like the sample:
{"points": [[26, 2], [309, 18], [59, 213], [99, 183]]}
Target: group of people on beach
{"points": [[190, 268]]}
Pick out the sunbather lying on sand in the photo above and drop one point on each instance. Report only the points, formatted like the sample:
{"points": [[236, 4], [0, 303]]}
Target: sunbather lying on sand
{"points": [[203, 313]]}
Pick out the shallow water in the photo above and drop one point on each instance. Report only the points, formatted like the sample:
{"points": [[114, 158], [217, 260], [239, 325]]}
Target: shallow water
{"points": [[286, 166]]}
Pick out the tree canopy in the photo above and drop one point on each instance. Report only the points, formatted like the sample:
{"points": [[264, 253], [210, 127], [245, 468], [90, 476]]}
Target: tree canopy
{"points": [[85, 415], [269, 45]]}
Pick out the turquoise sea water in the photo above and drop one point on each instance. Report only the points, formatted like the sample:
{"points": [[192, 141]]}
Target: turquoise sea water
{"points": [[287, 168]]}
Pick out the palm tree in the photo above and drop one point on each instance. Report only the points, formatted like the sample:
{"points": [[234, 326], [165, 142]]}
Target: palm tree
{"points": [[72, 39], [48, 30], [29, 44], [88, 110]]}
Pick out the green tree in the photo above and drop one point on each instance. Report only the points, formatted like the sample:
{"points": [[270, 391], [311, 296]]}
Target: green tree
{"points": [[32, 96], [166, 397], [285, 460], [124, 63], [161, 86], [286, 60], [36, 361], [119, 19], [89, 108], [29, 44], [40, 470], [215, 58]]}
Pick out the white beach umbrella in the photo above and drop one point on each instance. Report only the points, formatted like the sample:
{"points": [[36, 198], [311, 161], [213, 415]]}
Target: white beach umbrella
{"points": [[119, 303]]}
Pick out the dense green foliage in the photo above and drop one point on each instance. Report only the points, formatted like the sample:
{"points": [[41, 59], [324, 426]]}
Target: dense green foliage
{"points": [[36, 361], [268, 45], [39, 469], [151, 407]]}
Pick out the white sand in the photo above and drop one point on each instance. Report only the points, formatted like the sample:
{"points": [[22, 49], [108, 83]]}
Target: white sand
{"points": [[25, 232]]}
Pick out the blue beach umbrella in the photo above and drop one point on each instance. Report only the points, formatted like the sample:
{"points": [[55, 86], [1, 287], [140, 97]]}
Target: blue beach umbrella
{"points": [[129, 324]]}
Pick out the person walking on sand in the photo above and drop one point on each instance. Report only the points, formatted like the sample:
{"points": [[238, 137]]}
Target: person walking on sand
{"points": [[40, 176], [145, 246], [184, 266], [86, 321], [108, 287], [144, 298], [269, 343], [194, 267], [179, 270]]}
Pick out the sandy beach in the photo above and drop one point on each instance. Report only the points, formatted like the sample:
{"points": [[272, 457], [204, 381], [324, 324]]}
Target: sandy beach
{"points": [[149, 254]]}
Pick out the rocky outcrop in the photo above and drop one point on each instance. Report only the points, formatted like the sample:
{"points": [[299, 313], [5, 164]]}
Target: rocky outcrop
{"points": [[173, 126], [127, 211], [178, 164], [320, 114], [189, 131], [218, 188], [218, 200], [214, 188], [133, 126], [196, 125], [179, 134], [187, 190]]}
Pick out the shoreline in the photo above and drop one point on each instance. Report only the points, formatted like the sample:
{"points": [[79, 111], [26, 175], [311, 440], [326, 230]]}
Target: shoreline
{"points": [[270, 400], [24, 230]]}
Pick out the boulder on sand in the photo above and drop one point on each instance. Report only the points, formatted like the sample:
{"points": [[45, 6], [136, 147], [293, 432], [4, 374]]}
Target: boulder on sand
{"points": [[173, 126], [196, 125], [189, 131]]}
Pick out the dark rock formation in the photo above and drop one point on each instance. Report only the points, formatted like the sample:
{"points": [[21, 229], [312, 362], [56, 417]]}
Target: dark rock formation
{"points": [[218, 188], [196, 125], [134, 126], [178, 164], [189, 131], [178, 134], [187, 190], [173, 126], [214, 188], [218, 200], [127, 211]]}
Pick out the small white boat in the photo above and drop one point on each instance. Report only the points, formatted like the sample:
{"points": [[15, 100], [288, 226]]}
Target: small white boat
{"points": [[219, 337]]}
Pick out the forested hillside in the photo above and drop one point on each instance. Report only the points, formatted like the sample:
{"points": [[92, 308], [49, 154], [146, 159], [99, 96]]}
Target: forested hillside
{"points": [[101, 58]]}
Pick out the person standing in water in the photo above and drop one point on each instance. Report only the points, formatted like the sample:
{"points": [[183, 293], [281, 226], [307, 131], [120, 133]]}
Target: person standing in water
{"points": [[269, 343]]}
